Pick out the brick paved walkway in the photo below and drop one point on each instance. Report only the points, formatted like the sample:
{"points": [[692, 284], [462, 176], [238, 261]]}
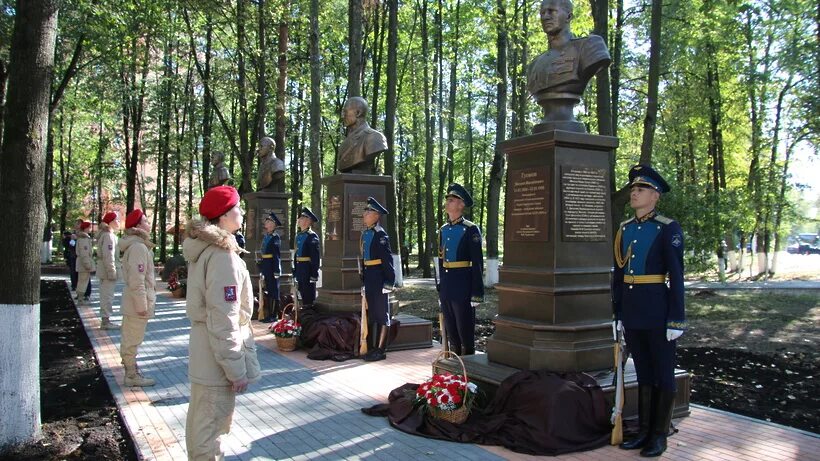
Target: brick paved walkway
{"points": [[304, 409]]}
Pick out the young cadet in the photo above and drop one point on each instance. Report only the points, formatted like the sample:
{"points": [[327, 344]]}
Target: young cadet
{"points": [[107, 267], [85, 262], [139, 294], [378, 277], [306, 260], [461, 267], [219, 303], [647, 296], [271, 266]]}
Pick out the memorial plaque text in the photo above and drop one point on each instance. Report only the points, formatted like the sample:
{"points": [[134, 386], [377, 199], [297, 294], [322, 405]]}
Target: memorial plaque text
{"points": [[528, 205], [584, 198]]}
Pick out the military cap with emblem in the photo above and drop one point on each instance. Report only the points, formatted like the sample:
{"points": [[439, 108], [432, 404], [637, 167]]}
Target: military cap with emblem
{"points": [[272, 216], [308, 214], [457, 190], [374, 205], [644, 175]]}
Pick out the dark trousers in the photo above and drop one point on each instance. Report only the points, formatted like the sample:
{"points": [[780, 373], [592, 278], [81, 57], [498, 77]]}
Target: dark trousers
{"points": [[307, 290], [654, 357], [71, 263], [459, 321]]}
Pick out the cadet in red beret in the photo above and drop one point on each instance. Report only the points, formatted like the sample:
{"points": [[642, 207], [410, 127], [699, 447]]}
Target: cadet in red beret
{"points": [[84, 263], [219, 306], [107, 267], [139, 295]]}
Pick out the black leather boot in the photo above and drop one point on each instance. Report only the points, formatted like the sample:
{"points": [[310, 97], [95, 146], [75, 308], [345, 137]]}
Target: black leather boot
{"points": [[645, 413], [456, 349], [378, 353], [661, 421], [468, 349]]}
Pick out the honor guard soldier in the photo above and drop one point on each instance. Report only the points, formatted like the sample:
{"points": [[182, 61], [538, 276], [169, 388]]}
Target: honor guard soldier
{"points": [[306, 261], [461, 264], [378, 277], [647, 296], [271, 266]]}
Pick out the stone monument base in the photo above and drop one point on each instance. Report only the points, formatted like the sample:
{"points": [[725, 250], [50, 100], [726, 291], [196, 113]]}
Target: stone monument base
{"points": [[489, 375]]}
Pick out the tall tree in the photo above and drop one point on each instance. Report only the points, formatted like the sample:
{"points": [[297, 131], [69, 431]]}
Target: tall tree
{"points": [[354, 41], [497, 169], [390, 115], [21, 195], [315, 113], [429, 126], [651, 118]]}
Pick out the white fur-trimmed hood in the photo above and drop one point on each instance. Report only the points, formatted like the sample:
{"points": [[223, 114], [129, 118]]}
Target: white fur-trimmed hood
{"points": [[201, 234]]}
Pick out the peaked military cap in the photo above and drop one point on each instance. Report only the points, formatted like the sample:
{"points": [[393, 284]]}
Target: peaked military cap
{"points": [[272, 216], [646, 176], [457, 190], [308, 214], [374, 205]]}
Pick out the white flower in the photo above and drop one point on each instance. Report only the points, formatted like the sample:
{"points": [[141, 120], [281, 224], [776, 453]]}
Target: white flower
{"points": [[472, 387]]}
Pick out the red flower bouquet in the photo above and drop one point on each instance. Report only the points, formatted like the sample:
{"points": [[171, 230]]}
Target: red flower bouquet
{"points": [[447, 396], [286, 330]]}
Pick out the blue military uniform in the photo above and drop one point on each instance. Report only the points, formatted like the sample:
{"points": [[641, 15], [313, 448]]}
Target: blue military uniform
{"points": [[271, 267], [461, 263], [306, 262], [378, 277], [647, 297]]}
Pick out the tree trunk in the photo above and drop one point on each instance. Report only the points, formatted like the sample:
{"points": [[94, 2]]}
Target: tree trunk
{"points": [[429, 126], [354, 40], [316, 113], [281, 81], [260, 108], [245, 154], [651, 119], [207, 105], [165, 147], [451, 116], [21, 188], [497, 169], [390, 119], [603, 108]]}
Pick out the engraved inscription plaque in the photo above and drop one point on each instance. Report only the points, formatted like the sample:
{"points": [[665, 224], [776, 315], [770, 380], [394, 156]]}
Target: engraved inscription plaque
{"points": [[250, 223], [334, 217], [584, 198], [528, 205]]}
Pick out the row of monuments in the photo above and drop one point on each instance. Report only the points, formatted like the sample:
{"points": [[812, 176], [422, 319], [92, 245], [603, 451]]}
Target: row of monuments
{"points": [[554, 286]]}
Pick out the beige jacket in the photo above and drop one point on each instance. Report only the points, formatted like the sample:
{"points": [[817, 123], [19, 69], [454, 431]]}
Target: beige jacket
{"points": [[85, 253], [139, 294], [106, 253], [219, 304]]}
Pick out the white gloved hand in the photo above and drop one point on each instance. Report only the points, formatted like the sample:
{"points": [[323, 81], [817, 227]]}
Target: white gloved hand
{"points": [[474, 304], [617, 326], [672, 334], [386, 291]]}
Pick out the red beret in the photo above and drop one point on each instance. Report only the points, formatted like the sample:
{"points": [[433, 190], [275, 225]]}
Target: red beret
{"points": [[218, 201], [108, 217], [133, 218], [85, 225]]}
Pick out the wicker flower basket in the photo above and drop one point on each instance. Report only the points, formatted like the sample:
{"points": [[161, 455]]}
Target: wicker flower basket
{"points": [[460, 414], [288, 344]]}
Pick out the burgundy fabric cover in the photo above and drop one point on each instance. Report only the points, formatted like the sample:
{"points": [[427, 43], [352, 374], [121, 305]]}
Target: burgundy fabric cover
{"points": [[533, 412]]}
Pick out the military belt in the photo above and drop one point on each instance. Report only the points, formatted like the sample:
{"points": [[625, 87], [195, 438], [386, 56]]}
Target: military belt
{"points": [[303, 259], [372, 262], [267, 256], [642, 279], [456, 264]]}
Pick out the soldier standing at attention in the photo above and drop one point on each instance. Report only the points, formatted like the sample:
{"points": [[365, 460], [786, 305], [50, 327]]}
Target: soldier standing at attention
{"points": [[85, 262], [271, 265], [306, 261], [139, 295], [647, 296], [378, 277], [222, 353], [461, 267], [107, 267]]}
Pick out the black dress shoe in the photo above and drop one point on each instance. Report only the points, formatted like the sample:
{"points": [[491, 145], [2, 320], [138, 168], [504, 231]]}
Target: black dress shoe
{"points": [[375, 355]]}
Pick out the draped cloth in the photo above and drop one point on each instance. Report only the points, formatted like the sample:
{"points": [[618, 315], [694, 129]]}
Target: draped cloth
{"points": [[533, 412]]}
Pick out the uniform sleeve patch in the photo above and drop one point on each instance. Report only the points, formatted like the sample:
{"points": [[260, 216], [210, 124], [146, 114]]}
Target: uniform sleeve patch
{"points": [[476, 238], [230, 293], [383, 241], [141, 267], [676, 240]]}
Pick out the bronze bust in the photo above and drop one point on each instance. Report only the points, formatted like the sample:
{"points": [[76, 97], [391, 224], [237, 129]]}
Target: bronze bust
{"points": [[271, 176], [557, 79], [219, 174], [358, 151]]}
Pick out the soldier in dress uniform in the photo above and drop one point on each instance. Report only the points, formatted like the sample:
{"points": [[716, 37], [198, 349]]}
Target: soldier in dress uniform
{"points": [[647, 296], [271, 265], [306, 261], [460, 267], [378, 277]]}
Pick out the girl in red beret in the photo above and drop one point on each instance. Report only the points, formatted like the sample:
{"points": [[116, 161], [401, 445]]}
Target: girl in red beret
{"points": [[222, 351], [107, 267], [85, 262], [139, 294]]}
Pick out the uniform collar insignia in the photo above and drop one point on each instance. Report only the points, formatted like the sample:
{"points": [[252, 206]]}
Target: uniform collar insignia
{"points": [[457, 221], [646, 217]]}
